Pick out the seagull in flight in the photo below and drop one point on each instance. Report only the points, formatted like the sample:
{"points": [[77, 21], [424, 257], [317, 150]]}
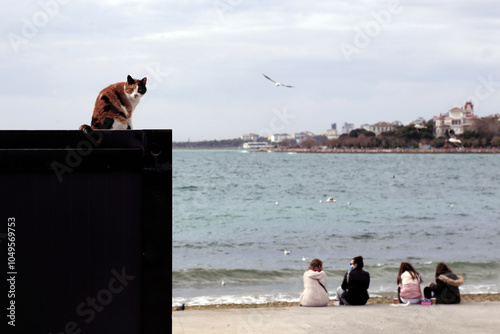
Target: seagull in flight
{"points": [[419, 126], [453, 139], [277, 84]]}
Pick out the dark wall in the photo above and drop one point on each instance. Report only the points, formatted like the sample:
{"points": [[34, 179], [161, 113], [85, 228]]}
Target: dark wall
{"points": [[90, 232]]}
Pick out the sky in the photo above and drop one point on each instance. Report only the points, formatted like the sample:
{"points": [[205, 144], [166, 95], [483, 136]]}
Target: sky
{"points": [[359, 62]]}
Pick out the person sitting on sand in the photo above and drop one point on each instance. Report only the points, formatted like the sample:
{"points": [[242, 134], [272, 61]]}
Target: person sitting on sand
{"points": [[315, 293], [354, 288], [445, 290], [409, 284]]}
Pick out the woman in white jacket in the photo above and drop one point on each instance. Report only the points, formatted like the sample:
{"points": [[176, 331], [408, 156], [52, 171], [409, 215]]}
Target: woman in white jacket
{"points": [[315, 293], [409, 284]]}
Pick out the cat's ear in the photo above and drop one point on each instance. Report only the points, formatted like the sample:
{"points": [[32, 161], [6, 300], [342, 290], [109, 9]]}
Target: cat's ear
{"points": [[144, 80], [130, 80]]}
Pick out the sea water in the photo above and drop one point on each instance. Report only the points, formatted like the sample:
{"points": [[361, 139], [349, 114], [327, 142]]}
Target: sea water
{"points": [[235, 212]]}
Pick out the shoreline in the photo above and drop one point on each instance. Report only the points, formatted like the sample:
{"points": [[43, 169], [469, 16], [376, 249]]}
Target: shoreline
{"points": [[385, 150], [466, 298], [353, 150]]}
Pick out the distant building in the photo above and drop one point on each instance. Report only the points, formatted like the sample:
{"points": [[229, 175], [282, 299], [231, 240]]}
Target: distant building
{"points": [[365, 127], [347, 127], [419, 120], [332, 134], [250, 137], [279, 137], [456, 119], [299, 137], [380, 127]]}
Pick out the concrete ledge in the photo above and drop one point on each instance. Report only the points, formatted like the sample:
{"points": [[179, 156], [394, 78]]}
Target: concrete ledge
{"points": [[461, 318]]}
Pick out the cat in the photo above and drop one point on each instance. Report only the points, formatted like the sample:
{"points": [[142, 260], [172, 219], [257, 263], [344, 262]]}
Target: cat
{"points": [[115, 104]]}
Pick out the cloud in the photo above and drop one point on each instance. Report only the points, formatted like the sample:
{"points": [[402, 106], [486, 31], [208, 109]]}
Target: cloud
{"points": [[204, 62]]}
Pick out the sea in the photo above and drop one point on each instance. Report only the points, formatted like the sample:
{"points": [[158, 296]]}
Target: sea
{"points": [[236, 212]]}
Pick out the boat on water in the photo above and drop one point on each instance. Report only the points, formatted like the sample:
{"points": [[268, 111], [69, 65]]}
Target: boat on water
{"points": [[256, 146]]}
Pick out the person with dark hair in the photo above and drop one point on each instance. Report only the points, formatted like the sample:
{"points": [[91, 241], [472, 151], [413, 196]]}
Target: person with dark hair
{"points": [[315, 293], [409, 284], [354, 288], [445, 290]]}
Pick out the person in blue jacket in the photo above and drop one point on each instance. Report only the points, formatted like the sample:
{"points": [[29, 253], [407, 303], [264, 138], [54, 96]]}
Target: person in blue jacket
{"points": [[354, 288]]}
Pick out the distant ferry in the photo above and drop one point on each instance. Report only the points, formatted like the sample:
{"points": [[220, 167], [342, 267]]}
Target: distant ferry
{"points": [[256, 145]]}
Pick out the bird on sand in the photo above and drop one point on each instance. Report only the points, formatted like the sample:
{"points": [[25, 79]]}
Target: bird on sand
{"points": [[277, 84], [181, 308]]}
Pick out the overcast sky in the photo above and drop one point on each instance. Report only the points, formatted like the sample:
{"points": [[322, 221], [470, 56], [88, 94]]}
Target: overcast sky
{"points": [[350, 61]]}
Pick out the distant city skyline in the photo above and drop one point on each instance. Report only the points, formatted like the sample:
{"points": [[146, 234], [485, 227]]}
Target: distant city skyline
{"points": [[347, 127], [349, 62]]}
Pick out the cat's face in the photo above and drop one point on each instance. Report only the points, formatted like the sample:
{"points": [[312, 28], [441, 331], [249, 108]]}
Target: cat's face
{"points": [[135, 88]]}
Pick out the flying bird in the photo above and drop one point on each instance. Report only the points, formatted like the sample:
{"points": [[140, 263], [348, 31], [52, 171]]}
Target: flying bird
{"points": [[419, 126], [277, 84], [453, 139]]}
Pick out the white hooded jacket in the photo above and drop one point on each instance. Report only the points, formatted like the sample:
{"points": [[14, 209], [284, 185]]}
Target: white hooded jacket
{"points": [[314, 294]]}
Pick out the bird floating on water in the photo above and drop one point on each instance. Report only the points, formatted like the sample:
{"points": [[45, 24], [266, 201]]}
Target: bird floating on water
{"points": [[331, 200], [223, 283], [277, 84], [287, 252]]}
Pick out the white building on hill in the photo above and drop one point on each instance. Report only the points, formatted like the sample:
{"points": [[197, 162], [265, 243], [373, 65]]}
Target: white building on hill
{"points": [[456, 119]]}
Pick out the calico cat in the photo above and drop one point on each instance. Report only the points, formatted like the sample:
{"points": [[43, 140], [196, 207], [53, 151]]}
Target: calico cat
{"points": [[115, 104]]}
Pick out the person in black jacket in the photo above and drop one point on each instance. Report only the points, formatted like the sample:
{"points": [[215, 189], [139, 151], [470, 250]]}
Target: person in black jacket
{"points": [[445, 290], [354, 288]]}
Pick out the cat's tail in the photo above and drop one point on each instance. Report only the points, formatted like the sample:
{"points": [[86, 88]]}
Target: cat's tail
{"points": [[89, 132], [85, 128]]}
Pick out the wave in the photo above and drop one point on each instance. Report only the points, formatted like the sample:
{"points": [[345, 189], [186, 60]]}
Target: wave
{"points": [[248, 286], [187, 188], [190, 277], [235, 299]]}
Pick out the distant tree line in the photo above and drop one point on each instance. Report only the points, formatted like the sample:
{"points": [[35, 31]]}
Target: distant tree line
{"points": [[224, 143], [485, 132]]}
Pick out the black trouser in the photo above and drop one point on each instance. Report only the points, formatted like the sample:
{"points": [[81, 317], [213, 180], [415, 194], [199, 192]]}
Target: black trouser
{"points": [[427, 292]]}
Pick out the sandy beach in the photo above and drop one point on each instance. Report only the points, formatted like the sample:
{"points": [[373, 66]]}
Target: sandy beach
{"points": [[467, 317]]}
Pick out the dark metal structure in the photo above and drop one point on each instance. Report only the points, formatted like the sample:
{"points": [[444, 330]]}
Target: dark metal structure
{"points": [[85, 230]]}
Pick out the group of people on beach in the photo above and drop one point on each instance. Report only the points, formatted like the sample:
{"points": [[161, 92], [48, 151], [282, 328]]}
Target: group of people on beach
{"points": [[354, 287]]}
